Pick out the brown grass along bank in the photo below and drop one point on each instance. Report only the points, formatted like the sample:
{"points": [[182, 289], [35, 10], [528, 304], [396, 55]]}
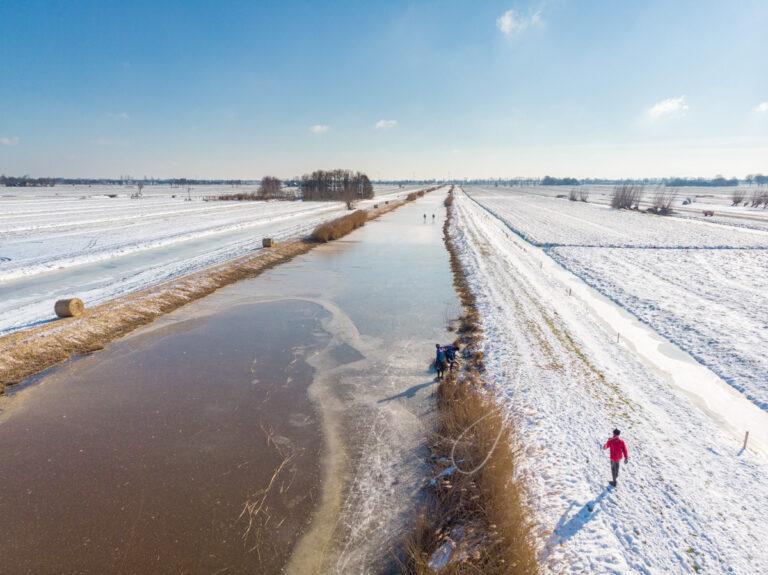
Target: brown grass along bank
{"points": [[339, 227], [27, 352], [474, 519]]}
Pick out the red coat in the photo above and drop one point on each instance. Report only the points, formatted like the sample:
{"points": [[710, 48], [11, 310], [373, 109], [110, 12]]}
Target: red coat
{"points": [[618, 448]]}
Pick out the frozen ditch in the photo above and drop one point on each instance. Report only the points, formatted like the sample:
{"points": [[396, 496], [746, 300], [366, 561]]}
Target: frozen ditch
{"points": [[188, 448], [338, 340]]}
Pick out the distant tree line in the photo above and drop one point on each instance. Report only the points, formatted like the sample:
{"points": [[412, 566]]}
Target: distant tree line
{"points": [[270, 188], [758, 179], [127, 180], [336, 185], [550, 181], [26, 182], [716, 182]]}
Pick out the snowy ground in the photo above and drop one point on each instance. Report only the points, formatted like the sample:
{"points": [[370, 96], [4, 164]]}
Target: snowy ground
{"points": [[69, 241], [710, 302], [546, 220], [690, 500], [718, 200], [700, 284]]}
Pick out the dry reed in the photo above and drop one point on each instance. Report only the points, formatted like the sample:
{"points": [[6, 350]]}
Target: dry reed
{"points": [[475, 511], [339, 227]]}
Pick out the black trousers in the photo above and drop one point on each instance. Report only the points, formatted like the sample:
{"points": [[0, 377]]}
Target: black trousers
{"points": [[615, 470]]}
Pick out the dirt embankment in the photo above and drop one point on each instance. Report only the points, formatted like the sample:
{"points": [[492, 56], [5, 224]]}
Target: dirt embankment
{"points": [[25, 353], [475, 519]]}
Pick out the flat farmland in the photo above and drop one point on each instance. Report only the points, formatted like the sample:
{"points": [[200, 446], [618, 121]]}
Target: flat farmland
{"points": [[96, 243], [698, 283]]}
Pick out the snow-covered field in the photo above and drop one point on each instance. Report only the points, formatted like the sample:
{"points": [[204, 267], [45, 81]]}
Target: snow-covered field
{"points": [[546, 220], [700, 284], [70, 241], [716, 199], [711, 302], [690, 500]]}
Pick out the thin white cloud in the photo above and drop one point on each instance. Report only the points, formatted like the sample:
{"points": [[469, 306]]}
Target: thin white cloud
{"points": [[6, 141], [512, 23], [119, 115], [319, 128], [385, 124], [762, 108], [669, 107]]}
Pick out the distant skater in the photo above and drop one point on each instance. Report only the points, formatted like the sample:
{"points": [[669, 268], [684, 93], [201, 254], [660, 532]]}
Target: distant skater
{"points": [[425, 218], [433, 218], [440, 360], [618, 450]]}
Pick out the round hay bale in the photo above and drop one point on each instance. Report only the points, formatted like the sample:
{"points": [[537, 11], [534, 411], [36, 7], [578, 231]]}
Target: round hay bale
{"points": [[72, 307]]}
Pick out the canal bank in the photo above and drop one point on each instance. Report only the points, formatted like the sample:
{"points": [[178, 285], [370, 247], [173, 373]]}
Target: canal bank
{"points": [[307, 390]]}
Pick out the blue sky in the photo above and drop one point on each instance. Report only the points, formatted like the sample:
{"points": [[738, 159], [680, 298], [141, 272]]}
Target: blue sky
{"points": [[397, 89]]}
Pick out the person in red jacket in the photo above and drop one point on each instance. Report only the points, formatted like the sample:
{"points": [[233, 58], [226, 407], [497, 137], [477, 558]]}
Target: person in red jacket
{"points": [[618, 450]]}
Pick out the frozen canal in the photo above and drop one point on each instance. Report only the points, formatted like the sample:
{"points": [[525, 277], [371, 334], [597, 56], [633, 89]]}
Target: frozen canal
{"points": [[275, 424]]}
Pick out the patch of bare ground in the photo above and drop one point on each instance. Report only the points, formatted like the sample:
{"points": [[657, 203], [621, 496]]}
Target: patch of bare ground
{"points": [[474, 519], [25, 353]]}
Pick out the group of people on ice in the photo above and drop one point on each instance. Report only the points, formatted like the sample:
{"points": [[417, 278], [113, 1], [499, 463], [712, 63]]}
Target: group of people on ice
{"points": [[445, 358]]}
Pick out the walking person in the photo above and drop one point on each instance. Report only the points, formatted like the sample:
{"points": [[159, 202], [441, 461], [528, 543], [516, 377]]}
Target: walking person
{"points": [[433, 218], [440, 360], [425, 218], [618, 449]]}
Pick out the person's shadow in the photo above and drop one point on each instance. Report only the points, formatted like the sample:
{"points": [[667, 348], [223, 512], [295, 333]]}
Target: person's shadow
{"points": [[569, 525], [408, 393]]}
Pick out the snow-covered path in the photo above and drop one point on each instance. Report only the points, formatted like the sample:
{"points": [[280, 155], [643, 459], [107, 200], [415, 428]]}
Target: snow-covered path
{"points": [[688, 501]]}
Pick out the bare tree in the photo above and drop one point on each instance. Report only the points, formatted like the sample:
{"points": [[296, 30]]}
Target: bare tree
{"points": [[584, 194], [137, 195], [763, 198], [663, 199], [627, 196], [573, 195], [738, 195], [270, 188]]}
